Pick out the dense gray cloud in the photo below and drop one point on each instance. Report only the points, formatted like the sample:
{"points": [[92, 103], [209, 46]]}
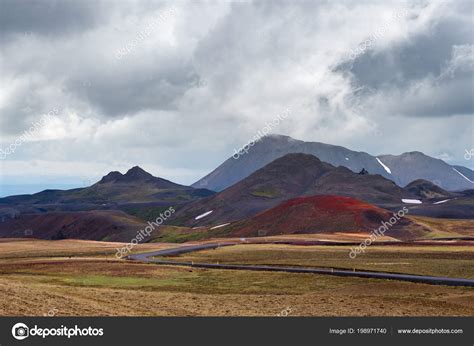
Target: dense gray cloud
{"points": [[408, 60], [52, 17], [208, 75], [445, 74], [116, 94]]}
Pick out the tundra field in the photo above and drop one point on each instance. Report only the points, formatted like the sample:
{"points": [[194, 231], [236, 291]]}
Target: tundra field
{"points": [[84, 278]]}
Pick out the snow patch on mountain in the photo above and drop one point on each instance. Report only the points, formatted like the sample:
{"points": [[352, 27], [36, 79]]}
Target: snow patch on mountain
{"points": [[219, 226], [384, 166], [411, 201], [462, 175], [203, 215]]}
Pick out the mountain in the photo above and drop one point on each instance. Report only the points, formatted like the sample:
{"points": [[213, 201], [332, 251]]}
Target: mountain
{"points": [[441, 203], [426, 189], [368, 187], [136, 186], [137, 175], [416, 165], [401, 169], [272, 147], [103, 225], [92, 225], [290, 176], [324, 214], [468, 173]]}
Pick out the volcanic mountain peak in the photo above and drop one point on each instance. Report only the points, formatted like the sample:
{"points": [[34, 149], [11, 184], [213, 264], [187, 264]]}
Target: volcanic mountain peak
{"points": [[292, 173], [279, 138], [111, 177], [413, 153], [410, 156], [138, 172], [133, 174], [297, 160], [137, 176]]}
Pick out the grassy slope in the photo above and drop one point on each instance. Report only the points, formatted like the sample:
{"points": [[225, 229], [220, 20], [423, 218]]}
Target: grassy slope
{"points": [[446, 227]]}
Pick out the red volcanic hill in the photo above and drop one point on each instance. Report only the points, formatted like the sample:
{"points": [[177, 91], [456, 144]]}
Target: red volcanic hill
{"points": [[320, 214]]}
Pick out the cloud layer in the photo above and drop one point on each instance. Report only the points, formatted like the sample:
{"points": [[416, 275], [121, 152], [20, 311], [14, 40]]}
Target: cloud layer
{"points": [[209, 75]]}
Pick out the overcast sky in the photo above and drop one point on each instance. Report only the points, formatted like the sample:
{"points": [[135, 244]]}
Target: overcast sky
{"points": [[382, 77]]}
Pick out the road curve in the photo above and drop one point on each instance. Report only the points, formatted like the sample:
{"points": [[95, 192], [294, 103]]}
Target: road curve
{"points": [[146, 257]]}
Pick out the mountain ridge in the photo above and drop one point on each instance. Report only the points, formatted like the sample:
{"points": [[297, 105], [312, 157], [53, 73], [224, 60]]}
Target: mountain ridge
{"points": [[136, 185], [392, 167], [290, 176]]}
